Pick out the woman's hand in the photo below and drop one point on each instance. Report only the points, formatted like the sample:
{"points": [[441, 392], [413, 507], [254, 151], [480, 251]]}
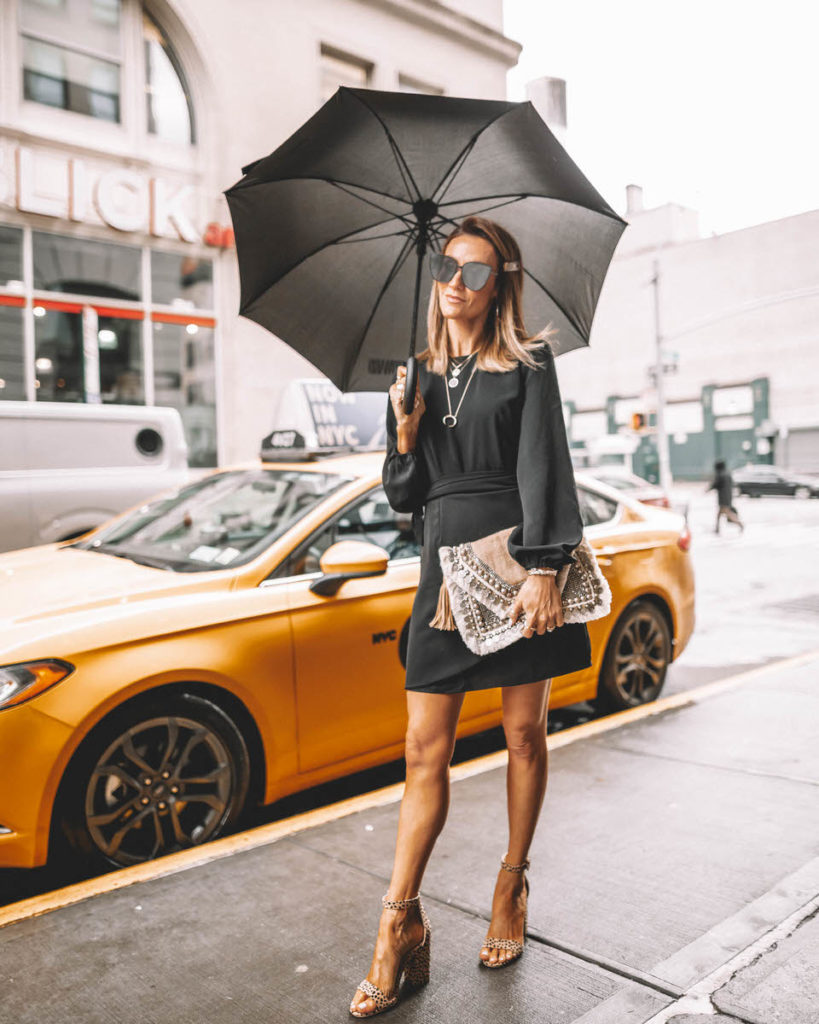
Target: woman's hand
{"points": [[540, 599], [406, 424]]}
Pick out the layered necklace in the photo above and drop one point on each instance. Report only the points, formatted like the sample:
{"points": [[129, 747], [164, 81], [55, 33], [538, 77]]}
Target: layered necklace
{"points": [[456, 368]]}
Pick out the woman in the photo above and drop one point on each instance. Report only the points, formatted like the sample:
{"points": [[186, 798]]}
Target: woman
{"points": [[484, 453]]}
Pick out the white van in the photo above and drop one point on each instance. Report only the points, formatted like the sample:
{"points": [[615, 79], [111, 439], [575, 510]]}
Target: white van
{"points": [[65, 469]]}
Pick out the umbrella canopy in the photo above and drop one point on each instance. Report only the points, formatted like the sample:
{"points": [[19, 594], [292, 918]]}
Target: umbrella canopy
{"points": [[333, 226]]}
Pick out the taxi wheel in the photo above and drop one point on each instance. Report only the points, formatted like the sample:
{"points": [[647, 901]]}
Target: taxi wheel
{"points": [[155, 777], [636, 659]]}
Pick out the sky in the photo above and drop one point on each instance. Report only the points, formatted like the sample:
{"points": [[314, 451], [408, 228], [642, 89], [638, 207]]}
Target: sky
{"points": [[713, 105]]}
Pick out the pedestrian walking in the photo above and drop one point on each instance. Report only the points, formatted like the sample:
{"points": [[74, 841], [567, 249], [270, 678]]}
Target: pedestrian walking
{"points": [[723, 484], [483, 448]]}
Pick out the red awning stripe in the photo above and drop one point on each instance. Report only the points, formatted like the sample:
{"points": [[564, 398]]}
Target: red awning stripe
{"points": [[76, 307], [184, 318], [120, 314], [57, 305]]}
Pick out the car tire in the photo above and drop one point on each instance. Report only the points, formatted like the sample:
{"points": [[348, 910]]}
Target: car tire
{"points": [[636, 659], [802, 493], [158, 775]]}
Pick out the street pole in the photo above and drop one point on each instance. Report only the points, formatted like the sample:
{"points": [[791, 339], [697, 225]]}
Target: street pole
{"points": [[659, 383]]}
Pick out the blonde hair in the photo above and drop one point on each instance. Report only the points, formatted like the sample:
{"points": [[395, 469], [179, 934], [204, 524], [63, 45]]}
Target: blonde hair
{"points": [[505, 341]]}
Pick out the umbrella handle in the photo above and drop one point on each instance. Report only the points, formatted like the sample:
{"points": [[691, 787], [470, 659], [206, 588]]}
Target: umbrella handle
{"points": [[410, 384]]}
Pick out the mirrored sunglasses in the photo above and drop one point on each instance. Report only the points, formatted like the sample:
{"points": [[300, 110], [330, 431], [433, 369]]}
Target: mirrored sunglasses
{"points": [[474, 275]]}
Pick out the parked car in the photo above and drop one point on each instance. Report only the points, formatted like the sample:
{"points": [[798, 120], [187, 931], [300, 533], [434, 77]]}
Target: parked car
{"points": [[243, 638], [66, 468], [634, 486], [757, 480]]}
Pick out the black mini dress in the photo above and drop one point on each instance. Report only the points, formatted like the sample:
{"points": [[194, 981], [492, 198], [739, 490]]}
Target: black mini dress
{"points": [[505, 463]]}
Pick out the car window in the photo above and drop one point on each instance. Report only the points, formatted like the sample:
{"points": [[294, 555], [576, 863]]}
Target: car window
{"points": [[225, 519], [594, 507], [369, 519]]}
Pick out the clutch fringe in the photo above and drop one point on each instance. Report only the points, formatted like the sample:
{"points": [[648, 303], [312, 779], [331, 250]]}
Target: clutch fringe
{"points": [[444, 619]]}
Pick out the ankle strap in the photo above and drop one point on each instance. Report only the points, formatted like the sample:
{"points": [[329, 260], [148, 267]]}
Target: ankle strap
{"points": [[518, 868], [399, 904]]}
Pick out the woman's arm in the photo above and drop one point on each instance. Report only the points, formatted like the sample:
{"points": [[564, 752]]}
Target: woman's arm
{"points": [[403, 475], [552, 524]]}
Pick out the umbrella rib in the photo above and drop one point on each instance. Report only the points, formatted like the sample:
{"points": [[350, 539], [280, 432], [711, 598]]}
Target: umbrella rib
{"points": [[543, 287], [333, 241], [461, 157], [240, 187], [369, 202], [403, 167], [455, 168], [406, 232], [494, 206], [399, 262], [517, 196]]}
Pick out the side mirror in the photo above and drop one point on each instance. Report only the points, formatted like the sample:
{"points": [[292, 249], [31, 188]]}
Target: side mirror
{"points": [[348, 560]]}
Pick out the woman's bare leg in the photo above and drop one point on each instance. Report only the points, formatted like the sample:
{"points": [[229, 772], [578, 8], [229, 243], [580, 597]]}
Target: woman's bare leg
{"points": [[433, 718], [524, 723]]}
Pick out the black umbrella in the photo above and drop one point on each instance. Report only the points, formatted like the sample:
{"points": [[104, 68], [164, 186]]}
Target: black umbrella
{"points": [[332, 227]]}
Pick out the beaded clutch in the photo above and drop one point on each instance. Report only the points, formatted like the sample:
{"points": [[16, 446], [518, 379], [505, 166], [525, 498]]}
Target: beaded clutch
{"points": [[481, 581]]}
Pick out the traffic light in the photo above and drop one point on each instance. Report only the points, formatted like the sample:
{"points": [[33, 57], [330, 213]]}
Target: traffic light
{"points": [[638, 420]]}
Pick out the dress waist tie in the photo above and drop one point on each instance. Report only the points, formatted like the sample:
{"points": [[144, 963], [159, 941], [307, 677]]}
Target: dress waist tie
{"points": [[477, 482]]}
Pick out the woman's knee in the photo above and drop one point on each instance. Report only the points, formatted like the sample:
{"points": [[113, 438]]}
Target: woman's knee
{"points": [[526, 740], [427, 750]]}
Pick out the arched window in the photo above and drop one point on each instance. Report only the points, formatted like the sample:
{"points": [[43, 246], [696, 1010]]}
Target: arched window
{"points": [[169, 109]]}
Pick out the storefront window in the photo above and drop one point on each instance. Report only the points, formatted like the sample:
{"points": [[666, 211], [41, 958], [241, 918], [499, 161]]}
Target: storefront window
{"points": [[12, 383], [169, 109], [83, 267], [77, 361], [11, 258], [176, 279], [71, 55], [58, 362], [184, 377]]}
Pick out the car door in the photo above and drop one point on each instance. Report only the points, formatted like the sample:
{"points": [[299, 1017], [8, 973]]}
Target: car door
{"points": [[349, 675]]}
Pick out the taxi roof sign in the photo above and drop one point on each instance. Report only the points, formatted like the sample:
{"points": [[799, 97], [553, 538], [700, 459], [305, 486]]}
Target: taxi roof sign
{"points": [[315, 418]]}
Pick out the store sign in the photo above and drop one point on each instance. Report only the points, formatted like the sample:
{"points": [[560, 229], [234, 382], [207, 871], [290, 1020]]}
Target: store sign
{"points": [[71, 188]]}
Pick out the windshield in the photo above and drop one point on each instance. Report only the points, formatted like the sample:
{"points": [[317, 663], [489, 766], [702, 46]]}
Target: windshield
{"points": [[618, 481], [225, 519]]}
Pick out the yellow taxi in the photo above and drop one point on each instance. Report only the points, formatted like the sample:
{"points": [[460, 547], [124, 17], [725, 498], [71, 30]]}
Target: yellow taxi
{"points": [[216, 648]]}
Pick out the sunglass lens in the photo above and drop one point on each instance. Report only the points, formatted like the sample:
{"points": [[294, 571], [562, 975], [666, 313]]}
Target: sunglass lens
{"points": [[442, 267], [475, 275]]}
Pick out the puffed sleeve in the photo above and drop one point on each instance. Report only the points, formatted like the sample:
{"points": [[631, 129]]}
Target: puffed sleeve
{"points": [[404, 475], [552, 525]]}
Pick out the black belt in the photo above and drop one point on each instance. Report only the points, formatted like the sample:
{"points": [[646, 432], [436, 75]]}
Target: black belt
{"points": [[481, 481]]}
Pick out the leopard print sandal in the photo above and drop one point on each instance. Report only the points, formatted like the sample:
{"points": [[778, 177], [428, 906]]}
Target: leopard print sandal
{"points": [[413, 968], [512, 945]]}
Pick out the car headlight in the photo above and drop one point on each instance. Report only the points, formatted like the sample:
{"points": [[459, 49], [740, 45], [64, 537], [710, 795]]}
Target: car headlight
{"points": [[19, 683]]}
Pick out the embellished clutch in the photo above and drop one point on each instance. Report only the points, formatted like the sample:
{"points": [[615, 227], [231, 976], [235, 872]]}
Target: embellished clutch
{"points": [[481, 581]]}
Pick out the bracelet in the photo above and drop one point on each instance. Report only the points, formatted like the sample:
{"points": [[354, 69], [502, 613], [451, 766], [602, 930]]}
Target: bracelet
{"points": [[542, 572]]}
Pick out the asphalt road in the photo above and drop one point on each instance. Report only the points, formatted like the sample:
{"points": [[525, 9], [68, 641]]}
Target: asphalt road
{"points": [[757, 602]]}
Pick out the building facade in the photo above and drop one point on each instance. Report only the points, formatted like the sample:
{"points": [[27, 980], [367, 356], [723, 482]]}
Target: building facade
{"points": [[121, 123], [737, 315]]}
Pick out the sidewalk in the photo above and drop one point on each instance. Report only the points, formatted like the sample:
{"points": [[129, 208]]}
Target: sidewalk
{"points": [[675, 877]]}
